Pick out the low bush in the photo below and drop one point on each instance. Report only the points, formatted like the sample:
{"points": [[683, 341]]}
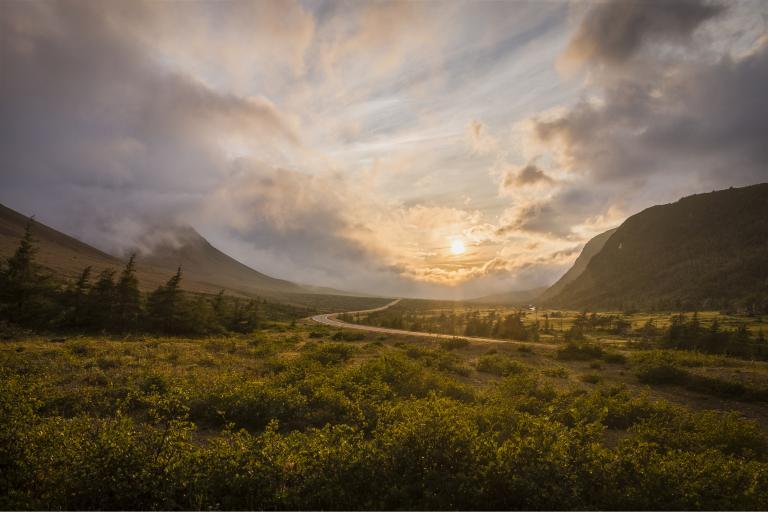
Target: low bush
{"points": [[348, 336], [453, 343], [575, 351], [499, 364], [591, 378]]}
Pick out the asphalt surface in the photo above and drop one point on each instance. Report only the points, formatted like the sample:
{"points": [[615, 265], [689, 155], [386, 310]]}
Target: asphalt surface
{"points": [[330, 319]]}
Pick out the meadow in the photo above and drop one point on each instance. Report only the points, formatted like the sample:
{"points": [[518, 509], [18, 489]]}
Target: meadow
{"points": [[296, 415]]}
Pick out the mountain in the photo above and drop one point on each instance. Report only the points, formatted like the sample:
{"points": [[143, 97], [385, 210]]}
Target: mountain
{"points": [[591, 248], [206, 269], [205, 264], [514, 298], [706, 251]]}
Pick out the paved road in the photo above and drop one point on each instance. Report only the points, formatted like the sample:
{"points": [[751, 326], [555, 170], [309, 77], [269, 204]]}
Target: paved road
{"points": [[330, 319]]}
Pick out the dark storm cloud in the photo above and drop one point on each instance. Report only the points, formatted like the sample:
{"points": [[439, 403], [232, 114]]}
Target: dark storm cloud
{"points": [[613, 32], [555, 217], [707, 121], [93, 132]]}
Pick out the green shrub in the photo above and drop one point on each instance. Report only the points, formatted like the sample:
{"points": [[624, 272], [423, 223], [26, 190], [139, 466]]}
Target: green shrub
{"points": [[348, 336], [453, 343], [574, 351], [81, 348], [558, 372], [591, 378], [614, 358], [154, 383], [499, 364], [661, 373], [328, 353]]}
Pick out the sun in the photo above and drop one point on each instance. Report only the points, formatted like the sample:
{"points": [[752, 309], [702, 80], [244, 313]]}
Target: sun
{"points": [[457, 246]]}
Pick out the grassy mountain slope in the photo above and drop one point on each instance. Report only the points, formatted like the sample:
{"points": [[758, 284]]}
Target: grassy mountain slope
{"points": [[61, 253], [514, 298], [591, 248], [206, 269], [205, 264], [704, 251]]}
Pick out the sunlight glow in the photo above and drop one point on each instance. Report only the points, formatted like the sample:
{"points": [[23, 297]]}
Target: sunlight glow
{"points": [[457, 247]]}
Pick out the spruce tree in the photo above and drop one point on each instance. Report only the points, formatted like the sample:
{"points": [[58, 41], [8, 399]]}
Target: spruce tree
{"points": [[127, 297], [101, 301], [77, 299], [23, 285], [165, 306]]}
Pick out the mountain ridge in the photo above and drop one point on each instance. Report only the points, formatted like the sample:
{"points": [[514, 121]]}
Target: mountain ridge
{"points": [[590, 249], [704, 251]]}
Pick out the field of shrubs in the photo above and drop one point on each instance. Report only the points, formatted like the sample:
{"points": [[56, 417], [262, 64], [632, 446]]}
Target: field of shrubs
{"points": [[305, 417]]}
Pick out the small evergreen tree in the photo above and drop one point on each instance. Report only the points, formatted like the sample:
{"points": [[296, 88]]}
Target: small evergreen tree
{"points": [[24, 287], [77, 299], [165, 306], [127, 298], [101, 301]]}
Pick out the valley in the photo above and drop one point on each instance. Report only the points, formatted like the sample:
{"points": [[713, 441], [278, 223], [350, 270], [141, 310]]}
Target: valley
{"points": [[266, 395]]}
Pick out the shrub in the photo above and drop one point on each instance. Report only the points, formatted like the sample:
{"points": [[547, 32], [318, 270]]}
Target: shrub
{"points": [[80, 348], [558, 372], [154, 383], [591, 378], [661, 373], [499, 365], [453, 343], [348, 336], [614, 358], [328, 353], [579, 352]]}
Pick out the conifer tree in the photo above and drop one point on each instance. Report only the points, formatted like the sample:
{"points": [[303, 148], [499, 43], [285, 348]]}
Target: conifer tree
{"points": [[165, 306], [127, 297], [77, 299], [23, 285], [101, 301]]}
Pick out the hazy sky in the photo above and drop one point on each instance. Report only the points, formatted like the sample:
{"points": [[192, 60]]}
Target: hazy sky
{"points": [[354, 144]]}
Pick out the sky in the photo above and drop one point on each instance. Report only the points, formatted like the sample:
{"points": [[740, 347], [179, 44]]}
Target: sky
{"points": [[432, 149]]}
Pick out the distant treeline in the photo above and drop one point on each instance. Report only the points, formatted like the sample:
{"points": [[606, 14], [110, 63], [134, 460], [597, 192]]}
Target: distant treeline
{"points": [[112, 302], [683, 333], [492, 325]]}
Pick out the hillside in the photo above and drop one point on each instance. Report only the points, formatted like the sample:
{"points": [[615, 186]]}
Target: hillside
{"points": [[513, 298], [206, 269], [704, 251], [205, 264], [591, 248], [61, 253]]}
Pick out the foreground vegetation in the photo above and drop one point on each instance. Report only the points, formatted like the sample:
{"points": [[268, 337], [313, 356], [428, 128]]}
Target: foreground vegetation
{"points": [[288, 418]]}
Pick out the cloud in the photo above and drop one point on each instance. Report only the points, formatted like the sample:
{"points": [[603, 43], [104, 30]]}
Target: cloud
{"points": [[480, 140], [527, 175], [613, 32], [703, 121], [94, 131]]}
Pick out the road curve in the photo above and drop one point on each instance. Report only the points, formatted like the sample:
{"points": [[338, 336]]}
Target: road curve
{"points": [[330, 319]]}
